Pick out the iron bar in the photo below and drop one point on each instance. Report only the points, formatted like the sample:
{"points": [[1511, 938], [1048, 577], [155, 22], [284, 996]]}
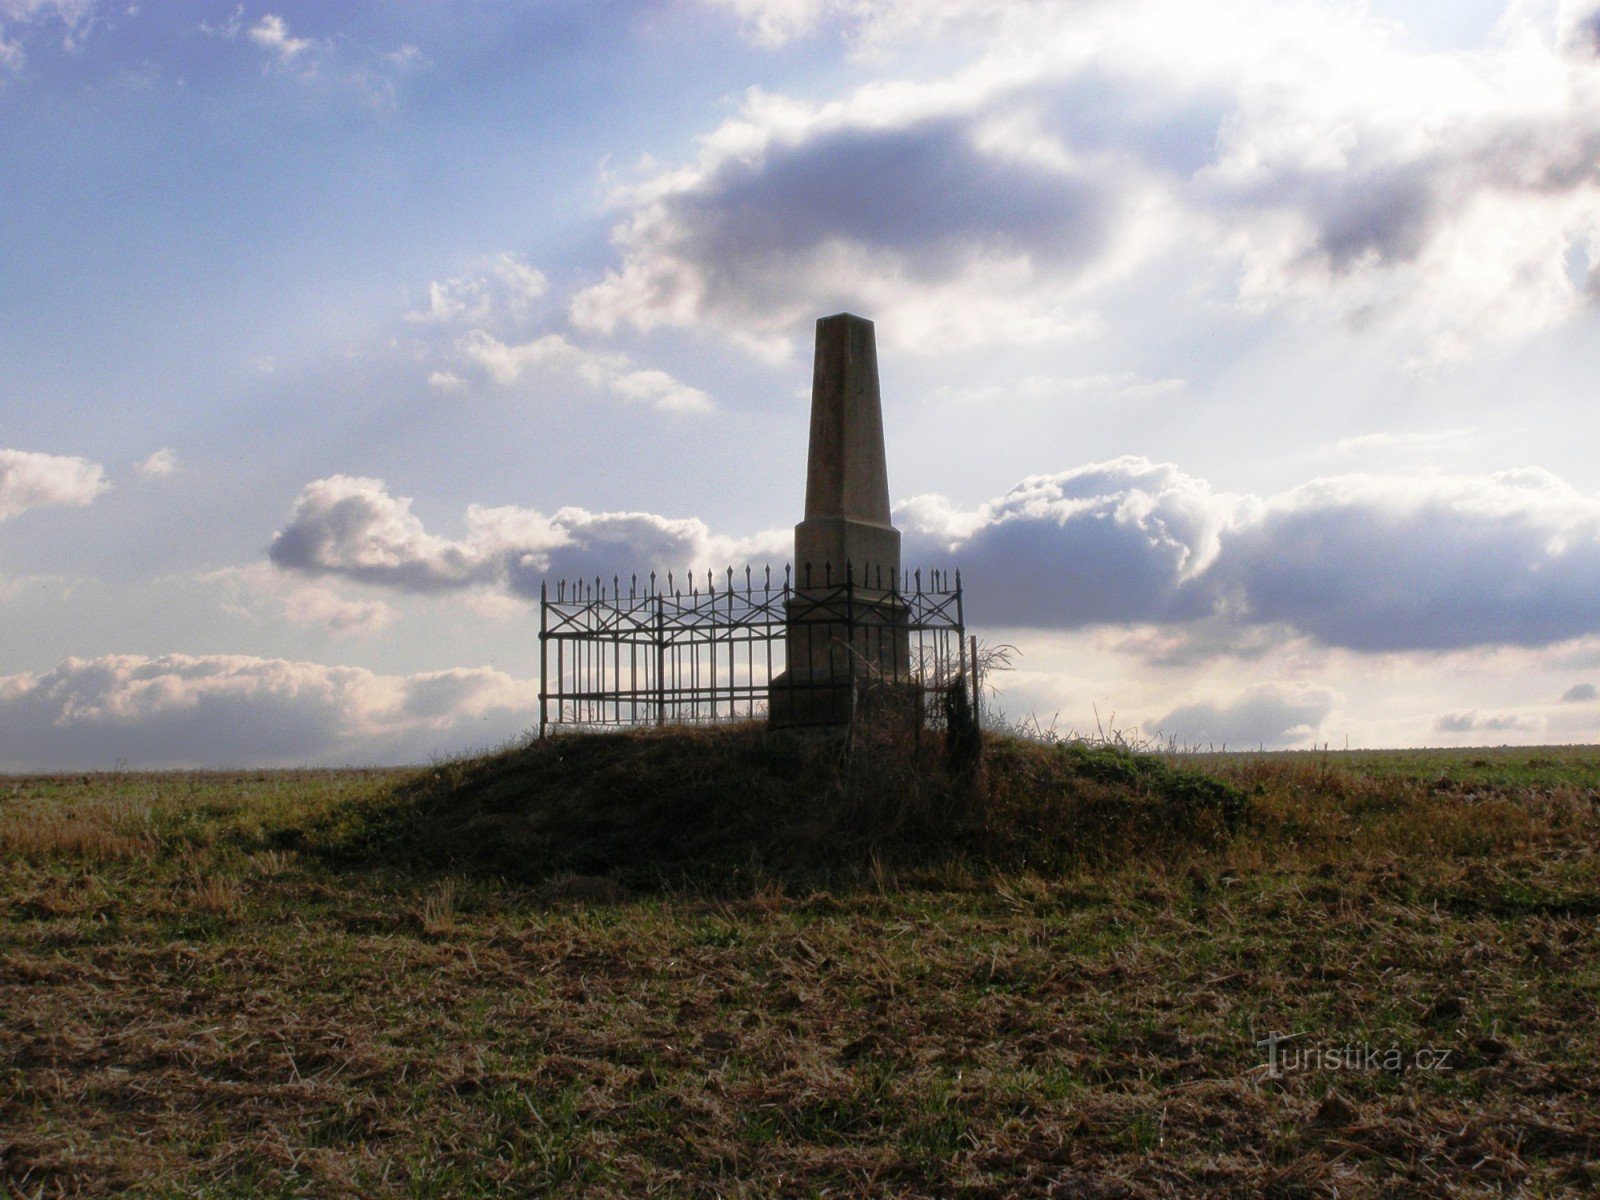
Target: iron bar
{"points": [[659, 653]]}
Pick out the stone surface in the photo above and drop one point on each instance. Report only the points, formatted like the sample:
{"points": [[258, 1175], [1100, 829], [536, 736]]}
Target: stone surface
{"points": [[839, 639], [847, 476]]}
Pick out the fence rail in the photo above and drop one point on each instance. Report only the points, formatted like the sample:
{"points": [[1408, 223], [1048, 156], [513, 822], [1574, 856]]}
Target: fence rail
{"points": [[703, 647]]}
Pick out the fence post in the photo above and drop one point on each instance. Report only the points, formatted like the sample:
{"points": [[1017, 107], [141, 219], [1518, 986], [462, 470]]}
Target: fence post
{"points": [[977, 690], [661, 660], [544, 659], [850, 636]]}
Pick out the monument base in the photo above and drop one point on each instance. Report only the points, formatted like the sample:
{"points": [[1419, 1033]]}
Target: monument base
{"points": [[840, 643]]}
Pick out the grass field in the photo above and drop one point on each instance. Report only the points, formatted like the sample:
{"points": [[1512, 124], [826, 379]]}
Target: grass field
{"points": [[1050, 980]]}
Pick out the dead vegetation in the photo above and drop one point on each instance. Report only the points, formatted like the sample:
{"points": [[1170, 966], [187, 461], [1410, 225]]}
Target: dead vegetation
{"points": [[254, 1000]]}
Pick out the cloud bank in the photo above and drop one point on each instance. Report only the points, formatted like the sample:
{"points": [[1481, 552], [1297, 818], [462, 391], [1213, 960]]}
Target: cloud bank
{"points": [[1369, 563], [183, 711], [1373, 563]]}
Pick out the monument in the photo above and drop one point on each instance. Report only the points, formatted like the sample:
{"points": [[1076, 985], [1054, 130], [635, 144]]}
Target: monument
{"points": [[845, 626]]}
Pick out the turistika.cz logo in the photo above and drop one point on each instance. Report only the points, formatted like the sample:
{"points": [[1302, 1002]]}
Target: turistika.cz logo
{"points": [[1286, 1054]]}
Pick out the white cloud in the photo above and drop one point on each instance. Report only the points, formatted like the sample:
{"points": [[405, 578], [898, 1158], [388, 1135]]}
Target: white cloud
{"points": [[1372, 563], [1412, 446], [353, 528], [906, 202], [406, 56], [326, 66], [159, 464], [521, 282], [553, 354], [505, 364], [446, 381], [259, 589], [181, 710], [1120, 541], [272, 35], [453, 300], [1316, 159], [17, 17], [1427, 561], [505, 286], [1279, 689], [1367, 562], [29, 480]]}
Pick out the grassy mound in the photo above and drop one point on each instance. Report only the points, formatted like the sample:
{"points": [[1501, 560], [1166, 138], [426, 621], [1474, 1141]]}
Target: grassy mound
{"points": [[732, 804]]}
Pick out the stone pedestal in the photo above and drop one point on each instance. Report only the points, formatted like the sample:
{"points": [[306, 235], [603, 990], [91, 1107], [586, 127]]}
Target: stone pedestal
{"points": [[846, 626], [841, 643]]}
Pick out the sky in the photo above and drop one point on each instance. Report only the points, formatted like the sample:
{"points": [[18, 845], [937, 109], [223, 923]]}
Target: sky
{"points": [[1242, 355]]}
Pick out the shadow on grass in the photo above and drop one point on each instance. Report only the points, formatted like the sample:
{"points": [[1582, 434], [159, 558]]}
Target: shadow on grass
{"points": [[731, 808]]}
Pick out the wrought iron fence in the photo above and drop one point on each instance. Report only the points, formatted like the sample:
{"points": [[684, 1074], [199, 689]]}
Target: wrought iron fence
{"points": [[705, 648]]}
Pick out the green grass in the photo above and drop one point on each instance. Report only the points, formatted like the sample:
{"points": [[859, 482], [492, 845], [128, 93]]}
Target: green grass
{"points": [[717, 963]]}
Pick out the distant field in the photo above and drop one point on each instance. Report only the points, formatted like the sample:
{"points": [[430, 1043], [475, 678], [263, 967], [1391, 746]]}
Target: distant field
{"points": [[1502, 766], [400, 983]]}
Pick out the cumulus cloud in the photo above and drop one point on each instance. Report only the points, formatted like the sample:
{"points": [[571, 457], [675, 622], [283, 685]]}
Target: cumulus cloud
{"points": [[1121, 541], [1271, 715], [1431, 561], [1317, 158], [29, 480], [555, 358], [504, 286], [1580, 693], [180, 710], [355, 529], [1368, 562], [1428, 562], [159, 464], [951, 227]]}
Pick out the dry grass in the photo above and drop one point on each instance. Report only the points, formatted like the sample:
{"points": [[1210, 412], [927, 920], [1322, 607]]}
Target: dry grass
{"points": [[227, 1011], [68, 837]]}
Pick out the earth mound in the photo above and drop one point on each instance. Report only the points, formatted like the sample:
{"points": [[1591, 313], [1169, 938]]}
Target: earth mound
{"points": [[731, 805]]}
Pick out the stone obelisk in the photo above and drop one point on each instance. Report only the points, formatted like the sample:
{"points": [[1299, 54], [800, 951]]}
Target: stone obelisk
{"points": [[845, 625]]}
